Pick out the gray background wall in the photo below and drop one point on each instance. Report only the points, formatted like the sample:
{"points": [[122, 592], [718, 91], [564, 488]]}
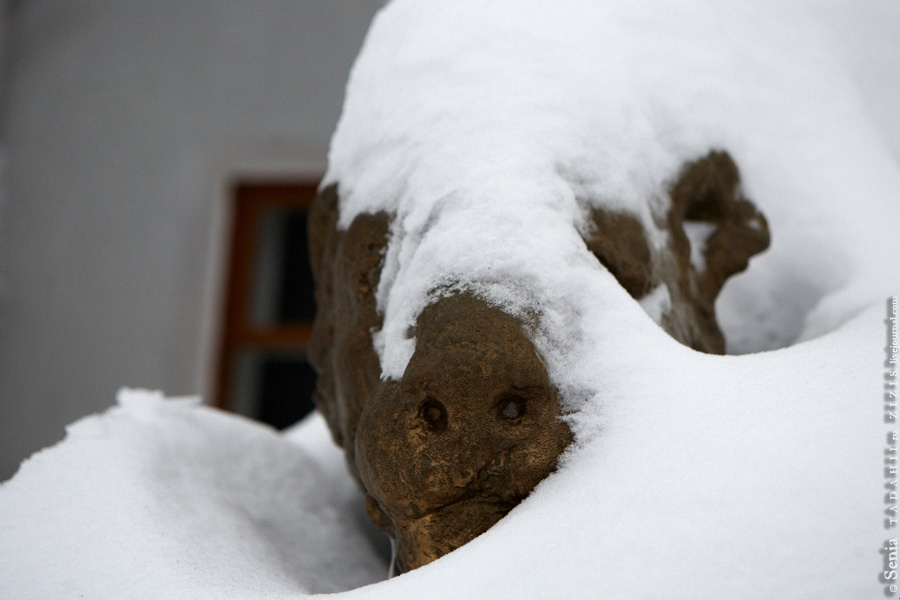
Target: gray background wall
{"points": [[122, 124]]}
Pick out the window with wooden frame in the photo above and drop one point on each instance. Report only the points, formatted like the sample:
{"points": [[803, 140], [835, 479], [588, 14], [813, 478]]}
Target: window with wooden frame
{"points": [[263, 371]]}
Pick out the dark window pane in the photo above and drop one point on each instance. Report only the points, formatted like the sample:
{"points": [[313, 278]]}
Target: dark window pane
{"points": [[275, 388], [297, 298], [283, 283], [268, 268], [285, 391]]}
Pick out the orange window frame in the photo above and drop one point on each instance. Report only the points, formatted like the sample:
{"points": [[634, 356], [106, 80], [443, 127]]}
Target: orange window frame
{"points": [[238, 332]]}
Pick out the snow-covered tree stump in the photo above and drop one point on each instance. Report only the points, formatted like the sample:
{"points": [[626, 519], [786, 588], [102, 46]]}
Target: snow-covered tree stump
{"points": [[474, 423]]}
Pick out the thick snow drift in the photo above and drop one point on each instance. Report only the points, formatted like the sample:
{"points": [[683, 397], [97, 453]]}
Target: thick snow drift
{"points": [[696, 476], [169, 499], [486, 128]]}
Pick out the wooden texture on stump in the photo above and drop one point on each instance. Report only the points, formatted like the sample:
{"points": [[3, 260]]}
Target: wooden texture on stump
{"points": [[475, 423]]}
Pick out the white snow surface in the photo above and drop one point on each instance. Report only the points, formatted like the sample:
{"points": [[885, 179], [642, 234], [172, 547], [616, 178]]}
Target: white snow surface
{"points": [[697, 233], [657, 302], [694, 476], [486, 128], [169, 499]]}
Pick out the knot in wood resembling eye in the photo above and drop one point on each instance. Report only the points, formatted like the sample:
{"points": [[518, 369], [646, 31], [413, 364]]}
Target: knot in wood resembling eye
{"points": [[434, 415], [511, 408]]}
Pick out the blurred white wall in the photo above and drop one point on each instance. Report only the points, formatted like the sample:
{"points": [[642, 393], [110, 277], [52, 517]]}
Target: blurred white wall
{"points": [[123, 122]]}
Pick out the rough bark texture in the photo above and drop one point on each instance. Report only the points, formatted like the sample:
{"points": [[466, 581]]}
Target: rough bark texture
{"points": [[474, 423], [469, 430], [707, 192], [346, 267]]}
